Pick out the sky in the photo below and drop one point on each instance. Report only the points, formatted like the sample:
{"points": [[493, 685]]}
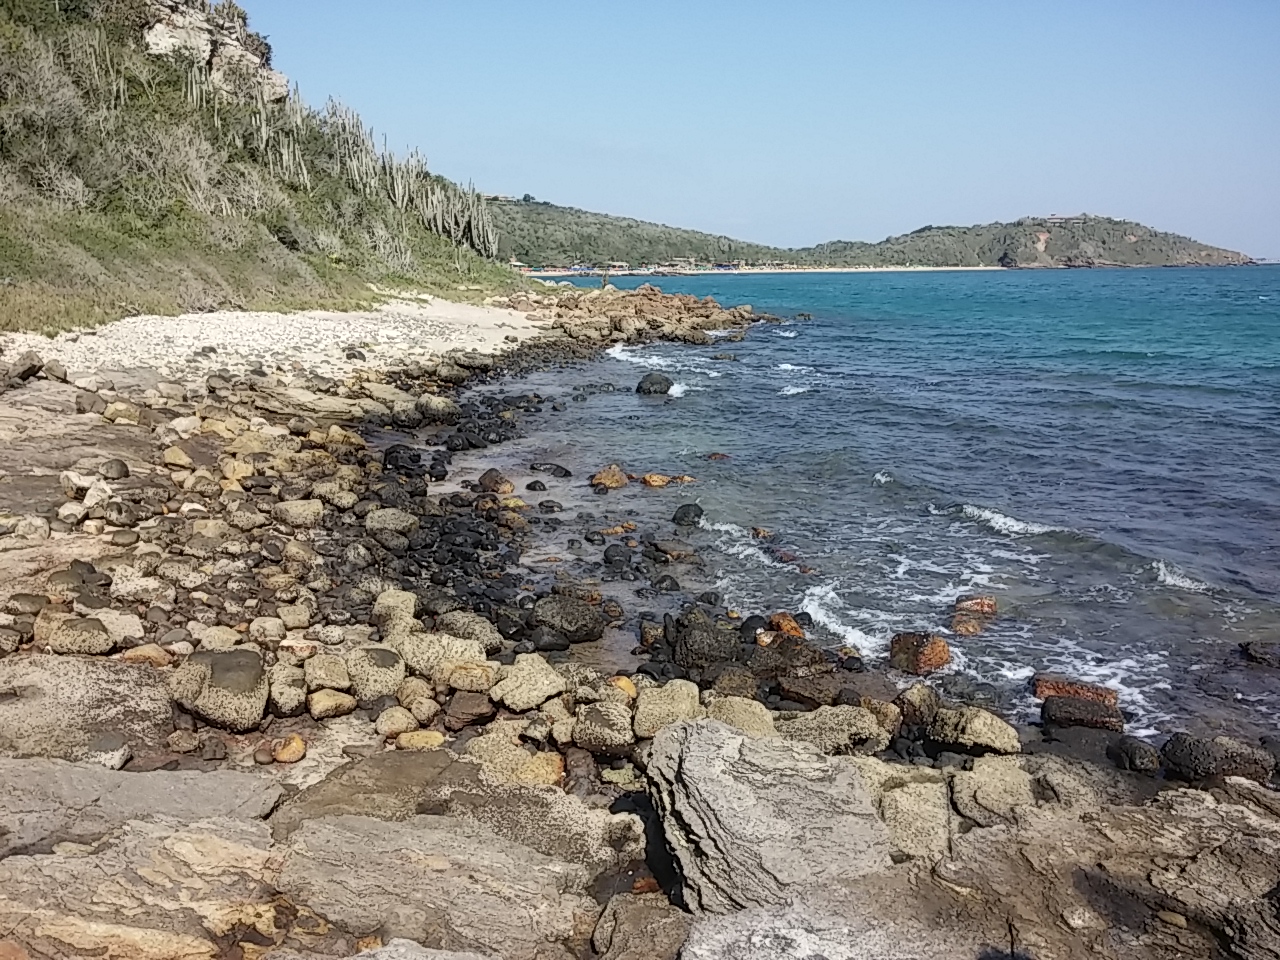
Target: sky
{"points": [[792, 122]]}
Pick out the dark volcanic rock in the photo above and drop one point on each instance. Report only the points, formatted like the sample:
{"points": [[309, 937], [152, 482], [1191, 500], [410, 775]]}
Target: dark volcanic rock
{"points": [[1265, 652], [1194, 758], [575, 620], [697, 642], [1130, 753], [687, 515], [654, 383], [1081, 712]]}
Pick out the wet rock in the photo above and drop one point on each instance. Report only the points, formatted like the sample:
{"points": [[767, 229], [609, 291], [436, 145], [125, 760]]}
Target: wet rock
{"points": [[1130, 753], [573, 619], [1264, 652], [687, 515], [492, 481], [657, 707], [756, 822], [918, 653], [654, 383], [612, 477], [226, 688], [837, 730], [974, 729], [1045, 685], [1060, 711]]}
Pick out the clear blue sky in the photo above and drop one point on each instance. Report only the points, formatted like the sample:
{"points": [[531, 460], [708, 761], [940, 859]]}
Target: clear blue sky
{"points": [[791, 122]]}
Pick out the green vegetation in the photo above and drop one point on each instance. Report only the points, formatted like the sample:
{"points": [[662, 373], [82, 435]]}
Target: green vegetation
{"points": [[541, 234], [134, 182]]}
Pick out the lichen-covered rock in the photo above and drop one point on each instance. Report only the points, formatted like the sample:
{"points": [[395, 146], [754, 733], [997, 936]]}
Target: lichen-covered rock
{"points": [[226, 688], [326, 671], [974, 729], [528, 683], [375, 671], [434, 655], [575, 620], [471, 626], [88, 636], [287, 690], [656, 707], [299, 513], [390, 520], [604, 728], [837, 730], [327, 704], [746, 716]]}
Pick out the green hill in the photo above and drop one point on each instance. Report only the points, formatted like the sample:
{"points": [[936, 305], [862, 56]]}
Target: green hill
{"points": [[542, 234], [151, 159]]}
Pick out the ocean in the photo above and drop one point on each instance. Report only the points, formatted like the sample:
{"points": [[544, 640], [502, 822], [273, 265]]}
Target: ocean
{"points": [[1099, 449]]}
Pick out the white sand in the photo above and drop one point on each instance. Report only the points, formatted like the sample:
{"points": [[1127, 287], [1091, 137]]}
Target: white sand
{"points": [[314, 340]]}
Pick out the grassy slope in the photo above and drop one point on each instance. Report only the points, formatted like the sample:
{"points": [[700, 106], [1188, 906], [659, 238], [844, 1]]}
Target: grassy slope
{"points": [[542, 234], [121, 192]]}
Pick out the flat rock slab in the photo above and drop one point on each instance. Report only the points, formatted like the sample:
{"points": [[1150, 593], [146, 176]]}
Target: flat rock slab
{"points": [[45, 802], [56, 706], [442, 882], [756, 822]]}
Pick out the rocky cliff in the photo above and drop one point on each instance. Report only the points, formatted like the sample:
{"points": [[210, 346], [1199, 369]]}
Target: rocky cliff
{"points": [[216, 37]]}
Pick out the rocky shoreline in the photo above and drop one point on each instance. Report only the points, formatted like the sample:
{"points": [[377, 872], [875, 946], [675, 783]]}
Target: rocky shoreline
{"points": [[267, 692]]}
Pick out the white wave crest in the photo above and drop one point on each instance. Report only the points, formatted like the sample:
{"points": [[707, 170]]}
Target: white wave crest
{"points": [[1004, 524], [792, 366], [1171, 576], [678, 390], [823, 603], [792, 391], [785, 333], [883, 478]]}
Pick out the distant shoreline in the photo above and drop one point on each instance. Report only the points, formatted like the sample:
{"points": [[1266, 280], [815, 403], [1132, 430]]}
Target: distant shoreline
{"points": [[750, 270]]}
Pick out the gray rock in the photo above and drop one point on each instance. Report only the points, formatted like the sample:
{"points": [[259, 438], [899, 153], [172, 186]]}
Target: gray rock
{"points": [[1194, 759], [437, 409], [54, 706], [287, 686], [576, 620], [746, 716], [326, 671], [471, 626], [755, 822], [227, 688], [804, 933], [528, 683], [654, 383], [43, 802], [640, 927], [452, 881]]}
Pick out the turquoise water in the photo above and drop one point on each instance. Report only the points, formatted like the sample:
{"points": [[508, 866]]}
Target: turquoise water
{"points": [[1100, 449]]}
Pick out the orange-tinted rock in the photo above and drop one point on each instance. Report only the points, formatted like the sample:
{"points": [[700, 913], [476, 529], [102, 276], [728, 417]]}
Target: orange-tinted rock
{"points": [[982, 606], [655, 480], [918, 653], [491, 481], [760, 533], [784, 622], [717, 456], [611, 478], [1045, 685]]}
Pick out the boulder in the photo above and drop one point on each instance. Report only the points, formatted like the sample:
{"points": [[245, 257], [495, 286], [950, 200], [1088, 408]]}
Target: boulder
{"points": [[453, 883], [390, 520], [326, 671], [654, 383], [287, 690], [612, 477], [837, 730], [687, 515], [919, 704], [528, 683], [640, 927], [226, 688], [54, 706], [375, 671], [972, 729], [326, 704], [576, 620], [756, 822], [1045, 685], [1194, 759], [437, 409], [746, 716], [435, 655], [656, 707], [698, 642], [471, 626], [299, 513], [43, 802], [604, 728], [88, 636]]}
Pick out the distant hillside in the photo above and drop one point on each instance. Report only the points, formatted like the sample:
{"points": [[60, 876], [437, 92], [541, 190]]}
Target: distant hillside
{"points": [[542, 234]]}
